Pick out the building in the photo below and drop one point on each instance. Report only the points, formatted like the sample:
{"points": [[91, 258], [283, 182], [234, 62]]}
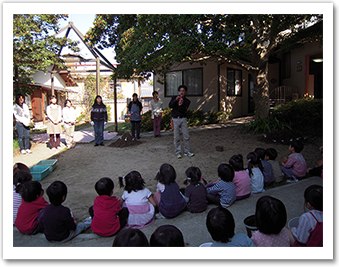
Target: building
{"points": [[225, 86], [42, 90]]}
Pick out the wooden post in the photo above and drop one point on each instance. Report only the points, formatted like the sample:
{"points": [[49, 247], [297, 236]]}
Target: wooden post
{"points": [[52, 82], [98, 76], [115, 105]]}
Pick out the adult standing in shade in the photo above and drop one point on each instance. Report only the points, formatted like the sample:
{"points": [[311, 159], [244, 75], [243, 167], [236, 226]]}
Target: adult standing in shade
{"points": [[68, 114], [54, 123], [22, 118], [179, 105], [99, 120], [135, 108], [156, 105]]}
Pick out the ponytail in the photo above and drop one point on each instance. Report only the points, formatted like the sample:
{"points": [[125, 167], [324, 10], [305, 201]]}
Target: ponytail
{"points": [[121, 182]]}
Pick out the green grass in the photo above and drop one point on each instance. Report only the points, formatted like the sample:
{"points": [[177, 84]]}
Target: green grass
{"points": [[16, 146], [123, 127], [80, 126]]}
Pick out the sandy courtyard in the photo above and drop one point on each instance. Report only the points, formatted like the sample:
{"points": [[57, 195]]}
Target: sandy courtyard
{"points": [[82, 166]]}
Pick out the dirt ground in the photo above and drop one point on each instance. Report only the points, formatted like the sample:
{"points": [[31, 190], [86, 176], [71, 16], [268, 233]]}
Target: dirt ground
{"points": [[81, 167]]}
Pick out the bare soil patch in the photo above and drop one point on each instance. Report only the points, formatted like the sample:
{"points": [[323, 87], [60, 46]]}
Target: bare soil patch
{"points": [[82, 166]]}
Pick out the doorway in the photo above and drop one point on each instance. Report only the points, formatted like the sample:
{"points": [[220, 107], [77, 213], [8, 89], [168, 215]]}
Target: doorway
{"points": [[314, 75]]}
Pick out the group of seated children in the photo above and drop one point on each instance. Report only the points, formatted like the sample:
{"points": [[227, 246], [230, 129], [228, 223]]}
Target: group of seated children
{"points": [[137, 206], [270, 217]]}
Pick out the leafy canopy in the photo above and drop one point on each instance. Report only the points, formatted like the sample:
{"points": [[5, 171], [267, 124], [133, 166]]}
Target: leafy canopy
{"points": [[152, 43], [34, 46]]}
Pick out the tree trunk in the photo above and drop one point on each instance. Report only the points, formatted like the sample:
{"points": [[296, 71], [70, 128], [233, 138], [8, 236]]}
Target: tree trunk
{"points": [[261, 92]]}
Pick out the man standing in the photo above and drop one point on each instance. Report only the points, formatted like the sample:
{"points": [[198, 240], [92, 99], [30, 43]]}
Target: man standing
{"points": [[179, 105]]}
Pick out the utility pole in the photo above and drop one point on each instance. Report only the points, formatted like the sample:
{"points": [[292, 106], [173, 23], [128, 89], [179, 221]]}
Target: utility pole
{"points": [[115, 105], [98, 76]]}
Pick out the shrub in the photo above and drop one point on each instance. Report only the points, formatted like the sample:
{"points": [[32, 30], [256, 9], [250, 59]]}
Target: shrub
{"points": [[194, 118], [303, 116]]}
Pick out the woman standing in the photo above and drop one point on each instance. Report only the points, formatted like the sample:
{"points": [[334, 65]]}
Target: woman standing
{"points": [[53, 125], [22, 118], [135, 108], [98, 120], [156, 105], [69, 117]]}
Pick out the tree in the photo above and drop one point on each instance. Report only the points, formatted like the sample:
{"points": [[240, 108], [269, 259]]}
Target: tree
{"points": [[35, 47], [153, 43]]}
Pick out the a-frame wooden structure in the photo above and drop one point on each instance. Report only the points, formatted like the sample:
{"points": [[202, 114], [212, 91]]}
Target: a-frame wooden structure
{"points": [[99, 59]]}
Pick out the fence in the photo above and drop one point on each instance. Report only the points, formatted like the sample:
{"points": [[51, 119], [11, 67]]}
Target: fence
{"points": [[282, 95]]}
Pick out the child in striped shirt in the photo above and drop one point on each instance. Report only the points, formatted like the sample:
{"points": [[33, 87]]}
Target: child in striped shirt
{"points": [[223, 191]]}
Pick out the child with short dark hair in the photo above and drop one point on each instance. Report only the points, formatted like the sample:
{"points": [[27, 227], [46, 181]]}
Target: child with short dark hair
{"points": [[31, 211], [270, 218], [59, 223], [167, 236], [267, 167], [168, 197], [270, 156], [309, 232], [130, 238], [241, 180], [107, 216], [222, 192], [195, 193], [19, 178], [254, 170], [220, 224], [138, 200], [295, 166]]}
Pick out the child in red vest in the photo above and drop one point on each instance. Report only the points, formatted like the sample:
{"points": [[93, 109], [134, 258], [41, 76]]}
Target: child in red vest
{"points": [[31, 210], [309, 232], [107, 215]]}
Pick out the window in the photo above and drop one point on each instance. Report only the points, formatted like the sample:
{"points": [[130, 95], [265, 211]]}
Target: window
{"points": [[192, 78], [234, 82]]}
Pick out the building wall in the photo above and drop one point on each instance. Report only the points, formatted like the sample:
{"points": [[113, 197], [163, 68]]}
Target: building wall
{"points": [[209, 100], [238, 105], [298, 76]]}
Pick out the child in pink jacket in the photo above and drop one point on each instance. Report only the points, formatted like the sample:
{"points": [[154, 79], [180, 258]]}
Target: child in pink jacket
{"points": [[295, 166]]}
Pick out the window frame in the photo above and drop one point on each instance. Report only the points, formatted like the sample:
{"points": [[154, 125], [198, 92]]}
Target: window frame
{"points": [[234, 84], [182, 81]]}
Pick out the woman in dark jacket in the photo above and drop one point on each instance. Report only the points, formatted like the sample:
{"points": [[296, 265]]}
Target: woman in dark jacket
{"points": [[135, 108], [98, 120]]}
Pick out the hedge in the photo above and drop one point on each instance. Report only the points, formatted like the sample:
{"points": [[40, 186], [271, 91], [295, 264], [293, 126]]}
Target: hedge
{"points": [[194, 118]]}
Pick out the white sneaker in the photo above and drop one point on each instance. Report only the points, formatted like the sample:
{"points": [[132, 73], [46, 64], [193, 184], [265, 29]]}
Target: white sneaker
{"points": [[28, 151], [59, 148], [53, 148], [159, 216], [23, 152]]}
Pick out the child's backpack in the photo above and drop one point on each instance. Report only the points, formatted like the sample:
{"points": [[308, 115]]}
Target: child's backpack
{"points": [[316, 236]]}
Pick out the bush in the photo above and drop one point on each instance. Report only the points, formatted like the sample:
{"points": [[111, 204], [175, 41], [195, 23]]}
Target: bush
{"points": [[194, 118], [303, 116]]}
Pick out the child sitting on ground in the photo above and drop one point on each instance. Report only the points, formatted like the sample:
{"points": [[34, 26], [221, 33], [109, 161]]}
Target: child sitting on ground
{"points": [[167, 236], [222, 192], [220, 224], [107, 216], [168, 197], [309, 232], [31, 210], [241, 180], [58, 220], [267, 167], [270, 156], [295, 166], [138, 200], [19, 179], [254, 170], [195, 193], [270, 218]]}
